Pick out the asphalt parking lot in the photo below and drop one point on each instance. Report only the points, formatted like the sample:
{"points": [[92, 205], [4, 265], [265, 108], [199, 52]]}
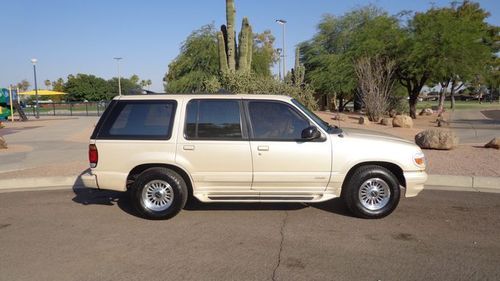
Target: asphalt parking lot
{"points": [[89, 235]]}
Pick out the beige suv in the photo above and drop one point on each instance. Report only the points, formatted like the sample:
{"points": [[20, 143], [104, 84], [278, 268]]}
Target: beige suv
{"points": [[245, 148]]}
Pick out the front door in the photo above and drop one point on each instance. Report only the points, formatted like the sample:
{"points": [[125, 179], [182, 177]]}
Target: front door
{"points": [[283, 162]]}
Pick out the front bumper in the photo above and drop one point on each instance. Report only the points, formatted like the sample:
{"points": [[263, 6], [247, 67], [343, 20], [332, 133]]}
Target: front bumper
{"points": [[89, 180], [414, 182]]}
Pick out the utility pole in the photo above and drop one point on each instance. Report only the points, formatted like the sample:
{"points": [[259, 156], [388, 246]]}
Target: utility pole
{"points": [[37, 112], [119, 78], [282, 22], [279, 50]]}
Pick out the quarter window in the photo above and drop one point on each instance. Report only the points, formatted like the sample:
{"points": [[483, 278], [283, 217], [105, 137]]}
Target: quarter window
{"points": [[213, 119], [275, 121], [140, 120]]}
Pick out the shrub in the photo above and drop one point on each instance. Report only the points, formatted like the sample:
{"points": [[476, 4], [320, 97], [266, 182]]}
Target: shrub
{"points": [[246, 83]]}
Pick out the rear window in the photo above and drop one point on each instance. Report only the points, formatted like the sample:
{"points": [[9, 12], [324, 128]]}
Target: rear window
{"points": [[148, 120], [213, 120]]}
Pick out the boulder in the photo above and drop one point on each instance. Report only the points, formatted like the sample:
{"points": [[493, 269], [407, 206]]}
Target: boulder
{"points": [[426, 111], [403, 121], [3, 143], [436, 139], [363, 120], [387, 121], [494, 143]]}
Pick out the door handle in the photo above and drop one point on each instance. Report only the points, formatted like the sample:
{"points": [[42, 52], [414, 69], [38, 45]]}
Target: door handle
{"points": [[188, 147], [263, 148]]}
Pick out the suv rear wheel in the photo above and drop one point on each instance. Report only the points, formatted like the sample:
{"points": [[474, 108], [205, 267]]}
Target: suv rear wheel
{"points": [[372, 192], [159, 193]]}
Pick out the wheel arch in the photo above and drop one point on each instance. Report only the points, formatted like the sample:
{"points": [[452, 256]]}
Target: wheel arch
{"points": [[137, 170], [394, 168]]}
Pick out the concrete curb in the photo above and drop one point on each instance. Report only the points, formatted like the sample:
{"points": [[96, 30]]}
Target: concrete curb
{"points": [[463, 183], [40, 183], [434, 182]]}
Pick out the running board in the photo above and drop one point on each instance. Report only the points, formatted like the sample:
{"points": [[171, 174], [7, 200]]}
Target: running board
{"points": [[259, 198]]}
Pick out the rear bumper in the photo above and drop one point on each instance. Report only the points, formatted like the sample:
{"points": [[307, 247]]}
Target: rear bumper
{"points": [[89, 180], [414, 182]]}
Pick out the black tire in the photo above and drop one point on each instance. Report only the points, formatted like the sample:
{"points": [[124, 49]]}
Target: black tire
{"points": [[178, 189], [378, 174]]}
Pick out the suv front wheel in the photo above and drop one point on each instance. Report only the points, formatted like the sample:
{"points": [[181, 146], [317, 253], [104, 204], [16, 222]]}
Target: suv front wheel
{"points": [[372, 192], [159, 193]]}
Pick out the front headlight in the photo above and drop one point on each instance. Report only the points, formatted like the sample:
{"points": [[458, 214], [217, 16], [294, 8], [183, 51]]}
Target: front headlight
{"points": [[419, 159]]}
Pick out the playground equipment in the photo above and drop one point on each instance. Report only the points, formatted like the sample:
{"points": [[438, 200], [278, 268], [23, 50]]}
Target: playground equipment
{"points": [[8, 104]]}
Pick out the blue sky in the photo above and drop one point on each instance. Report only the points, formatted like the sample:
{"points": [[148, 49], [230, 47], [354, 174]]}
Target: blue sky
{"points": [[69, 37]]}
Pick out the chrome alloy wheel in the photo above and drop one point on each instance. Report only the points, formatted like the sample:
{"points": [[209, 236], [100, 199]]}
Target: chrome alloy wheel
{"points": [[374, 194], [157, 195]]}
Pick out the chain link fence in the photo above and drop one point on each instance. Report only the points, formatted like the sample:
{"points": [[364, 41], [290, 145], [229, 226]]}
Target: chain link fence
{"points": [[67, 108]]}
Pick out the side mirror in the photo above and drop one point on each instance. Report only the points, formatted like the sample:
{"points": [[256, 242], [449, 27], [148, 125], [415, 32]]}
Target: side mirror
{"points": [[310, 133]]}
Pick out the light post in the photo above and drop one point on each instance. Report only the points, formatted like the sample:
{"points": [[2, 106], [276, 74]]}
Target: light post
{"points": [[37, 111], [119, 81], [282, 22], [279, 50]]}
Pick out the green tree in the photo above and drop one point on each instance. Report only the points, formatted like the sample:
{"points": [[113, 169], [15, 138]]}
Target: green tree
{"points": [[47, 84], [264, 56], [58, 85], [443, 45], [87, 87], [330, 55], [149, 83], [198, 61], [130, 86]]}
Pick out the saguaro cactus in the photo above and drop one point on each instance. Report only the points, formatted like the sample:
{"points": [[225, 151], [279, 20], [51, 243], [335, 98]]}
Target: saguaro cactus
{"points": [[231, 57], [299, 71]]}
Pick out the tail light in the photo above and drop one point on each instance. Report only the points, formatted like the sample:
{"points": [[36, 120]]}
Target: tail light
{"points": [[93, 155]]}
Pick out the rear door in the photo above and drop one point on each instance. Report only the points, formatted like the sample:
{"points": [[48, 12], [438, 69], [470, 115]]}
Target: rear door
{"points": [[214, 146]]}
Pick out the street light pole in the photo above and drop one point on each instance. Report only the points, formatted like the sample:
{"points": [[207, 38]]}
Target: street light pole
{"points": [[282, 22], [119, 78], [37, 112], [279, 62]]}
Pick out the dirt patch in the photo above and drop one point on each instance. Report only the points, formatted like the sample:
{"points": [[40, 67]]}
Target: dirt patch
{"points": [[464, 160]]}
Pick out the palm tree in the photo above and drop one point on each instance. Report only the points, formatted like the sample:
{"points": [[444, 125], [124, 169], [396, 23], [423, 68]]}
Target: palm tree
{"points": [[47, 83], [23, 85], [149, 83], [143, 84]]}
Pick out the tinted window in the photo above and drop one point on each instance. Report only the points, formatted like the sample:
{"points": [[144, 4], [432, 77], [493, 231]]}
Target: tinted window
{"points": [[275, 121], [140, 120], [213, 119]]}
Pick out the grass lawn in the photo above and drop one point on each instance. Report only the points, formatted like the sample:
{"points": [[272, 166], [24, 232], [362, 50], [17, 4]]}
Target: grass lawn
{"points": [[461, 105]]}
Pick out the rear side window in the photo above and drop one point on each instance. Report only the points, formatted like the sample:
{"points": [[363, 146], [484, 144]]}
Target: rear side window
{"points": [[213, 120], [145, 120]]}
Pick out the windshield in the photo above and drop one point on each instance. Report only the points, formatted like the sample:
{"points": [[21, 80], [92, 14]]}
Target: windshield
{"points": [[323, 124]]}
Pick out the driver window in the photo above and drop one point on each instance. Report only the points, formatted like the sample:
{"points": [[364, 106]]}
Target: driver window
{"points": [[275, 121]]}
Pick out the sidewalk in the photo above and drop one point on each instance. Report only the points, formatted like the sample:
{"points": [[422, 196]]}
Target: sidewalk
{"points": [[47, 146], [472, 127]]}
